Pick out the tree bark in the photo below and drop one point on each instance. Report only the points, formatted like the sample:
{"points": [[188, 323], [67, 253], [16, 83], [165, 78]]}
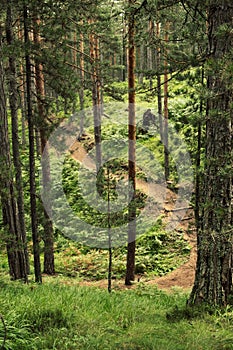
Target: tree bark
{"points": [[213, 280], [14, 100], [130, 267], [165, 128], [151, 61], [48, 236], [31, 135], [96, 98], [124, 51], [159, 93], [23, 103], [96, 103], [82, 80], [198, 158], [14, 242]]}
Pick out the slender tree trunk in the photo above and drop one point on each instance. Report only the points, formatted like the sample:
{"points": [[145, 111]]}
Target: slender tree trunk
{"points": [[159, 92], [74, 60], [165, 129], [150, 50], [14, 100], [14, 241], [96, 98], [23, 104], [82, 80], [109, 238], [31, 134], [37, 137], [198, 159], [130, 268], [48, 237], [124, 52], [82, 70], [213, 280]]}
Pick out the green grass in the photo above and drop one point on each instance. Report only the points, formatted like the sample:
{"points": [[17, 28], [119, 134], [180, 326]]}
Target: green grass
{"points": [[57, 316]]}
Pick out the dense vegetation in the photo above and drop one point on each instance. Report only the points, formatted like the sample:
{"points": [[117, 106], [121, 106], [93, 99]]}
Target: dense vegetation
{"points": [[115, 118]]}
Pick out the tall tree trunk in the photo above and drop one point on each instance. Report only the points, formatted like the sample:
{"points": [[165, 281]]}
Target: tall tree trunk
{"points": [[31, 135], [96, 99], [14, 100], [96, 102], [82, 68], [109, 238], [23, 103], [150, 67], [82, 80], [14, 241], [130, 267], [37, 136], [159, 92], [213, 280], [48, 236], [198, 159], [165, 129], [74, 60], [124, 52]]}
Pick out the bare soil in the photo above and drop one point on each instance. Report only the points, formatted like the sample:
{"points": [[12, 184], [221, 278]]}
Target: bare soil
{"points": [[182, 277]]}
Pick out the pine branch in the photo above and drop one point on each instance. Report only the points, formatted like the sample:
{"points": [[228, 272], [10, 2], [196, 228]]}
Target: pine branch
{"points": [[78, 67], [166, 81], [79, 51]]}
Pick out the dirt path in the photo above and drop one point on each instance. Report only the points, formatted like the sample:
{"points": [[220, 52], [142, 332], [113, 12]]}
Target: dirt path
{"points": [[181, 277]]}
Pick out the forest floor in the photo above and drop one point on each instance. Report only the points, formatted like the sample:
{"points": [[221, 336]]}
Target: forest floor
{"points": [[183, 276]]}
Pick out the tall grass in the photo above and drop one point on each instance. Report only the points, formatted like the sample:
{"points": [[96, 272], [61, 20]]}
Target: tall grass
{"points": [[58, 316]]}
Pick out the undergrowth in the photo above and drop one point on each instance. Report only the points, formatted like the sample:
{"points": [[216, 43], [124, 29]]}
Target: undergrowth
{"points": [[157, 253]]}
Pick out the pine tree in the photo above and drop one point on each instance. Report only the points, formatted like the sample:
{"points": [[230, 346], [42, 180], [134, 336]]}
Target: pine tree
{"points": [[130, 268], [31, 135], [165, 127], [43, 130], [14, 106], [213, 280], [14, 240]]}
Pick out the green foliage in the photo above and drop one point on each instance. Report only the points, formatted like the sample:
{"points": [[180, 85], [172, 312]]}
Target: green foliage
{"points": [[157, 253], [160, 251], [116, 91]]}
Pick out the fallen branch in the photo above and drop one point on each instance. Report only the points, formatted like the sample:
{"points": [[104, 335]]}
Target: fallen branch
{"points": [[188, 218], [177, 209]]}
